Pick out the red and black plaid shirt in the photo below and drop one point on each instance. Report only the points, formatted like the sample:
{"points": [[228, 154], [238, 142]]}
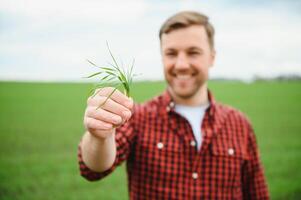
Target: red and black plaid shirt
{"points": [[163, 161]]}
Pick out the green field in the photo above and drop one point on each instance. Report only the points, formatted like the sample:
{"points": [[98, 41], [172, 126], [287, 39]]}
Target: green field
{"points": [[41, 125]]}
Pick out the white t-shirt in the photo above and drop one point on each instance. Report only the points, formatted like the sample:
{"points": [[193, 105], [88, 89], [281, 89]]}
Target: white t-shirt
{"points": [[195, 116]]}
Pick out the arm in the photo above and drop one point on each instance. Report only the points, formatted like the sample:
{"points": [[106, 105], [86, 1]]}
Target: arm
{"points": [[254, 183], [98, 154], [98, 147]]}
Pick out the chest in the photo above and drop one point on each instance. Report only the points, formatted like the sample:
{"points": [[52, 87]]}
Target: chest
{"points": [[166, 154]]}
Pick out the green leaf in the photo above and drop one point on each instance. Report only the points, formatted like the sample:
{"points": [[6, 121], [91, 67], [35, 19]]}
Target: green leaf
{"points": [[110, 79], [103, 103], [115, 67], [92, 63], [105, 77], [111, 73], [95, 93], [111, 54], [115, 75], [108, 69], [122, 77], [95, 74]]}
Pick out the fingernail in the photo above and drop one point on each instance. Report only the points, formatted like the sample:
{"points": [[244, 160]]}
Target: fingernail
{"points": [[127, 114], [129, 104], [117, 119]]}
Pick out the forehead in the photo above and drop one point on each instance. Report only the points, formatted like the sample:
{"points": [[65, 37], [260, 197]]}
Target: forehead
{"points": [[192, 36]]}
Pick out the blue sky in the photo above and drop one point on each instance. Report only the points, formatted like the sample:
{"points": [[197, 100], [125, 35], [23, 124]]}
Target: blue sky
{"points": [[51, 40]]}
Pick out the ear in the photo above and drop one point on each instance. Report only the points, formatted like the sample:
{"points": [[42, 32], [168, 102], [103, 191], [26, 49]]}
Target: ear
{"points": [[212, 55]]}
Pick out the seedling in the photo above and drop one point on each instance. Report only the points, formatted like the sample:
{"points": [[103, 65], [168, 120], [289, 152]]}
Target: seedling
{"points": [[114, 76]]}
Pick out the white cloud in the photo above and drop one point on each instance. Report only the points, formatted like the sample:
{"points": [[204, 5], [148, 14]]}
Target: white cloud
{"points": [[52, 39], [108, 11]]}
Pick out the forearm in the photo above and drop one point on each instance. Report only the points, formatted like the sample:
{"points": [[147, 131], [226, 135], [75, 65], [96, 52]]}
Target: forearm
{"points": [[98, 154]]}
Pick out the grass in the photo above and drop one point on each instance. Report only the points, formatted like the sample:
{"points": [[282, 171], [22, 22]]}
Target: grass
{"points": [[113, 75], [41, 125]]}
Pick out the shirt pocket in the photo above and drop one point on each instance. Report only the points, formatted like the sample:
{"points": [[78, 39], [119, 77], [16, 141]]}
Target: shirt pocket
{"points": [[161, 155], [229, 150], [161, 143], [228, 157]]}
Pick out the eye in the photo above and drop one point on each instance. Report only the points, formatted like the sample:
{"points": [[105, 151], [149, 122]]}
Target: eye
{"points": [[194, 53], [171, 54]]}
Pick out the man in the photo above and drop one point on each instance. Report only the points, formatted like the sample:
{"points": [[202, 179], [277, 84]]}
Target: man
{"points": [[182, 144]]}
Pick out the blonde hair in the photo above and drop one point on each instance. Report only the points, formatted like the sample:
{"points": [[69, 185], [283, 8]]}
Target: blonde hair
{"points": [[185, 19]]}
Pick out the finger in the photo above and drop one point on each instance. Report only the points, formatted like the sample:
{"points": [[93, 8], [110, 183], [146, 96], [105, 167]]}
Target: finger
{"points": [[101, 133], [117, 96], [117, 108], [110, 106], [91, 123], [103, 115]]}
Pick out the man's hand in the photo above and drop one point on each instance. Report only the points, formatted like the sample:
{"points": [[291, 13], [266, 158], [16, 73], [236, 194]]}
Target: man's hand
{"points": [[101, 121]]}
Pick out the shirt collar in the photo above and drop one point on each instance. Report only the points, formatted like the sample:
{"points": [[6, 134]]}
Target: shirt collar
{"points": [[168, 104]]}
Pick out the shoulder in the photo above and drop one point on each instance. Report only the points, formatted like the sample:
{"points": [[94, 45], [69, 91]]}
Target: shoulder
{"points": [[151, 106], [148, 114], [237, 128], [234, 114], [234, 124]]}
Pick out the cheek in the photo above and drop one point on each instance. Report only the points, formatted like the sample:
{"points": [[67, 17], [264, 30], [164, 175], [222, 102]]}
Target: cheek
{"points": [[167, 64], [202, 64], [166, 68], [203, 71]]}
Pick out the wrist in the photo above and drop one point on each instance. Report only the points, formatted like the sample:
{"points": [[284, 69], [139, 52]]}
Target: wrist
{"points": [[101, 138]]}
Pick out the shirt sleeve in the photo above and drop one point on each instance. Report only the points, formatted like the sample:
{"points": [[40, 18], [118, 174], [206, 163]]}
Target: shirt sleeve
{"points": [[254, 183], [125, 136]]}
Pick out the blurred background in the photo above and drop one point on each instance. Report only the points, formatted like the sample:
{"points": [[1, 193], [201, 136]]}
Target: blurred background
{"points": [[43, 50], [51, 40]]}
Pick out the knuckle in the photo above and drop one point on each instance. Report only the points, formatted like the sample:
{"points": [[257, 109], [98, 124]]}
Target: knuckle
{"points": [[93, 124], [89, 111], [102, 91], [97, 90], [88, 123], [90, 100], [101, 99], [105, 102], [108, 90]]}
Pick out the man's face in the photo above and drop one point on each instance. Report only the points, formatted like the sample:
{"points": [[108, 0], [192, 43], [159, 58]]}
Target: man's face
{"points": [[187, 57]]}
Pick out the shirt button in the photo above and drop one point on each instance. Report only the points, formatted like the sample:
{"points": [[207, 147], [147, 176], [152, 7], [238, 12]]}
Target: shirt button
{"points": [[167, 108], [231, 152], [192, 143], [171, 104], [195, 175], [160, 145]]}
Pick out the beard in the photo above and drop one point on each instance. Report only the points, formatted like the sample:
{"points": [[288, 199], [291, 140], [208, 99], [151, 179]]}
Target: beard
{"points": [[185, 91], [185, 87]]}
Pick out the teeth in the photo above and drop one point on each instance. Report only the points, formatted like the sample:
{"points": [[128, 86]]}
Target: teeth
{"points": [[183, 77]]}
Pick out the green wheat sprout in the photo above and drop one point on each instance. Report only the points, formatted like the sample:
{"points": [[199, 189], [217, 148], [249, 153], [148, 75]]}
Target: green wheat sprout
{"points": [[114, 76]]}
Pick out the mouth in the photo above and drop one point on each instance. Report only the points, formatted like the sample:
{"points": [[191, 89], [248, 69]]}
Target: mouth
{"points": [[183, 76]]}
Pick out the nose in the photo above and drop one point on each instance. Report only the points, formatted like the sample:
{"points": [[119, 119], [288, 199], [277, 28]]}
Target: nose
{"points": [[182, 62]]}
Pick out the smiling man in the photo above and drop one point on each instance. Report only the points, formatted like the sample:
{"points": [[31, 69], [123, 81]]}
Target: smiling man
{"points": [[181, 144], [187, 57]]}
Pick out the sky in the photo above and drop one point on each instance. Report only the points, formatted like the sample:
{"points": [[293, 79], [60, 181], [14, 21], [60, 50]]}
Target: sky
{"points": [[51, 40]]}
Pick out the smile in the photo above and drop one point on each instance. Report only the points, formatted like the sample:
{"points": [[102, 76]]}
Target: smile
{"points": [[183, 76]]}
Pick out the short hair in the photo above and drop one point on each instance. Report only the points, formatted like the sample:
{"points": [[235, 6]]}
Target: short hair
{"points": [[185, 19]]}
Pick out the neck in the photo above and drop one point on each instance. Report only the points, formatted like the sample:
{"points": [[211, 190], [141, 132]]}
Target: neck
{"points": [[198, 99]]}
